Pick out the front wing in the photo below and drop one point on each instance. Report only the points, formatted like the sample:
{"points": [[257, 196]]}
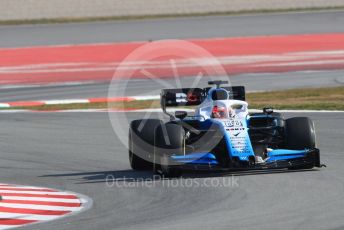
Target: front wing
{"points": [[278, 159]]}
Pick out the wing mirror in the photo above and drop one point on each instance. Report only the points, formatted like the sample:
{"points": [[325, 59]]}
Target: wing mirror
{"points": [[180, 114]]}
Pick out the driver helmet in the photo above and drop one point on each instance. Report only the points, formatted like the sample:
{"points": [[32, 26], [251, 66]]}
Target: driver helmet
{"points": [[219, 112]]}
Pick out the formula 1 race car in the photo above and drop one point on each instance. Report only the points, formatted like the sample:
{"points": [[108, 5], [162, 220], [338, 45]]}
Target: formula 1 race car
{"points": [[220, 135]]}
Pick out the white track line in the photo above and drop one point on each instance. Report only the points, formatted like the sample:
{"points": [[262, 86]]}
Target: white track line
{"points": [[24, 187], [34, 192], [66, 101], [6, 215], [8, 226], [40, 207], [41, 199]]}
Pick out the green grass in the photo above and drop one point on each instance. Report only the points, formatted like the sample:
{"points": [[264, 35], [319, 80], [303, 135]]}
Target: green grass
{"points": [[312, 99], [309, 99], [158, 16]]}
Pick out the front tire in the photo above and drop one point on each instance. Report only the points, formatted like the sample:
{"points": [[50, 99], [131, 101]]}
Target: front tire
{"points": [[300, 133]]}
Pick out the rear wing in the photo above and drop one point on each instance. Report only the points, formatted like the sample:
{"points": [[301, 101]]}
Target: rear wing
{"points": [[195, 96], [182, 97]]}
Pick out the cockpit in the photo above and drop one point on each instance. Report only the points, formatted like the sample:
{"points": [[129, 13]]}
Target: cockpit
{"points": [[219, 105]]}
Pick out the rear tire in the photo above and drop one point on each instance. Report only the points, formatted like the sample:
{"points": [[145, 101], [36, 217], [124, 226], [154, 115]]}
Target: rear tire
{"points": [[141, 143], [169, 139], [300, 133]]}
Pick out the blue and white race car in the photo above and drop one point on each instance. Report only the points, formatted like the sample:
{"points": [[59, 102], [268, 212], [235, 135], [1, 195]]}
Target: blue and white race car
{"points": [[220, 135]]}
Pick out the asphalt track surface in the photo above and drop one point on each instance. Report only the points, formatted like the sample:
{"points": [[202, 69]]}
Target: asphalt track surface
{"points": [[77, 151], [252, 82], [180, 28]]}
